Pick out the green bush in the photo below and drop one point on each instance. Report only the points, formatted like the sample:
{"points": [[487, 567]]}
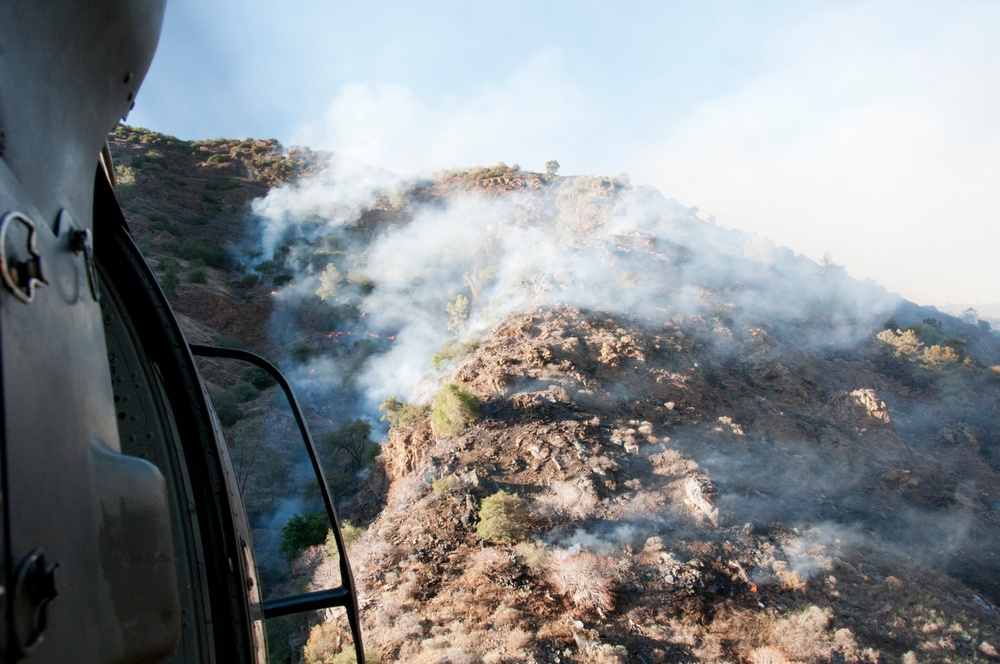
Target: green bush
{"points": [[221, 184], [227, 406], [169, 279], [258, 378], [197, 272], [227, 341], [302, 352], [444, 486], [399, 413], [266, 267], [190, 249], [348, 531], [303, 531], [503, 517], [244, 391], [219, 159], [152, 160], [453, 409], [452, 350]]}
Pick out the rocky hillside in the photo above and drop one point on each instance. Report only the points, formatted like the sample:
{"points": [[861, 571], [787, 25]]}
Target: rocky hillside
{"points": [[619, 433], [682, 508]]}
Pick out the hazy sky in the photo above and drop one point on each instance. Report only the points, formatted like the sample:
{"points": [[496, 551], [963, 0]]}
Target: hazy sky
{"points": [[869, 130]]}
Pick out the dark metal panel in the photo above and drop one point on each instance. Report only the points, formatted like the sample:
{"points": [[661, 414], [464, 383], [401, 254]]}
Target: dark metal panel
{"points": [[99, 515], [222, 528]]}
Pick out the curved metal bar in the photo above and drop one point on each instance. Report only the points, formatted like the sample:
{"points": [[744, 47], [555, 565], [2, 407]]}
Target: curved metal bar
{"points": [[323, 599], [346, 595]]}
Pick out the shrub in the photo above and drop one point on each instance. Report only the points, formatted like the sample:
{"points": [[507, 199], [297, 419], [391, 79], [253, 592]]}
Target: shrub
{"points": [[349, 532], [124, 175], [535, 555], [399, 413], [903, 343], [226, 341], [768, 655], [443, 486], [219, 159], [452, 349], [585, 580], [937, 357], [503, 517], [324, 645], [190, 249], [302, 352], [458, 309], [303, 531], [152, 160], [197, 272], [221, 184], [226, 406], [169, 279], [244, 391], [496, 566], [453, 409], [258, 378], [567, 500]]}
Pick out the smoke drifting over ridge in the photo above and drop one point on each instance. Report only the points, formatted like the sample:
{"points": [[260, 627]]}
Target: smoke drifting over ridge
{"points": [[596, 243], [661, 391]]}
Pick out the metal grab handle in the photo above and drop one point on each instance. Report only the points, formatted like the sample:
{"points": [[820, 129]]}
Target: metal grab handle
{"points": [[346, 594]]}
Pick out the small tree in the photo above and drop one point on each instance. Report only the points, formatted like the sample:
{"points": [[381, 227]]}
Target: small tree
{"points": [[551, 167], [453, 409], [503, 517], [458, 309], [303, 531], [354, 439], [261, 472]]}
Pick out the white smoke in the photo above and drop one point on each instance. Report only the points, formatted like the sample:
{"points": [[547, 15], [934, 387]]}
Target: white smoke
{"points": [[588, 242]]}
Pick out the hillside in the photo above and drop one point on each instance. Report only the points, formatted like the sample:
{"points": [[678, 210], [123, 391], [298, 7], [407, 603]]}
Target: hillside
{"points": [[710, 449]]}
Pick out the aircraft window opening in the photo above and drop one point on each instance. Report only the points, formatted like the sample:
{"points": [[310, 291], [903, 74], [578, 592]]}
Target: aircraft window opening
{"points": [[267, 468]]}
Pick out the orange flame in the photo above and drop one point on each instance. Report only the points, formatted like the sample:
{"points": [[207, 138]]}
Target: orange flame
{"points": [[753, 587]]}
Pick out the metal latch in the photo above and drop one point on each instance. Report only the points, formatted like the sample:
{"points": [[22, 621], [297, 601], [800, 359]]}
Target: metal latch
{"points": [[33, 590], [20, 262]]}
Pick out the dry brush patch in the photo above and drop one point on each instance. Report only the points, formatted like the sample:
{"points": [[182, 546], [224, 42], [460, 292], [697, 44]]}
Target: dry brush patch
{"points": [[586, 580]]}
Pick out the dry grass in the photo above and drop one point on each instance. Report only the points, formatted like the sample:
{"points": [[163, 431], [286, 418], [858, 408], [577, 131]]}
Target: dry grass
{"points": [[768, 655], [494, 566], [574, 501], [586, 580]]}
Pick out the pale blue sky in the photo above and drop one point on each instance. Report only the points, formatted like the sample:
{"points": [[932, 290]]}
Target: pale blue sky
{"points": [[867, 129]]}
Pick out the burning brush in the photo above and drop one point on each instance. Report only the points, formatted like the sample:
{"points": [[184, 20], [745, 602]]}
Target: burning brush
{"points": [[742, 573]]}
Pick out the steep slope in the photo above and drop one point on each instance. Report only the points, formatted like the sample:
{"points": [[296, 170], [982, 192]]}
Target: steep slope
{"points": [[725, 451], [187, 204], [682, 507]]}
